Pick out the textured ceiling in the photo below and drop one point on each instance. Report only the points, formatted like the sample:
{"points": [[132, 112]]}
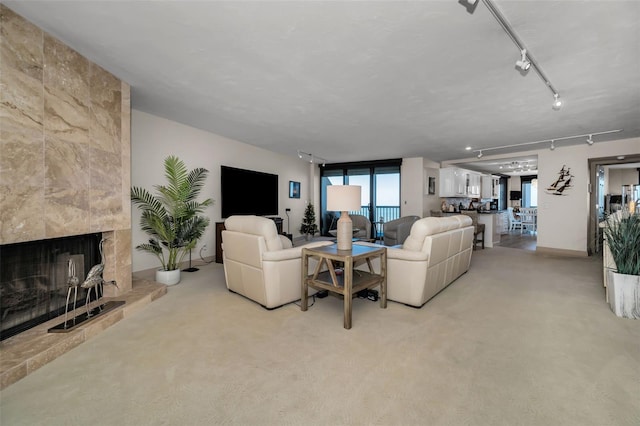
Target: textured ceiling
{"points": [[352, 81]]}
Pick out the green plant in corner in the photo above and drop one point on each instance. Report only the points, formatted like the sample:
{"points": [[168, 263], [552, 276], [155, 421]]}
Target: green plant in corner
{"points": [[308, 226], [171, 218], [622, 232]]}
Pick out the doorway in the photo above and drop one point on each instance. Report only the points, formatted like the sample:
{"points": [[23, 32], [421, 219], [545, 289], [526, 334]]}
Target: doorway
{"points": [[603, 186]]}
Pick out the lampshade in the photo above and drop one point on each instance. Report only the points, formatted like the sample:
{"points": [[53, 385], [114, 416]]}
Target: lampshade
{"points": [[343, 197]]}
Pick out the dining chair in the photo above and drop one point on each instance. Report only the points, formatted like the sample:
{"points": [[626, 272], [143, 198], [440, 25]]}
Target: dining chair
{"points": [[514, 220], [528, 219]]}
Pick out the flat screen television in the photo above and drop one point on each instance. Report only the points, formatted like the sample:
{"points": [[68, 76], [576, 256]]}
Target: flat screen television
{"points": [[248, 192], [515, 195]]}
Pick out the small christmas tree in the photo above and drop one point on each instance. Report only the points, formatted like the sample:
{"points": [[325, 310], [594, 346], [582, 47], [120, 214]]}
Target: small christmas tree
{"points": [[309, 226]]}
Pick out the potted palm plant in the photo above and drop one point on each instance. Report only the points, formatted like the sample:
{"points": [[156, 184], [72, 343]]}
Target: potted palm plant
{"points": [[172, 218], [622, 236]]}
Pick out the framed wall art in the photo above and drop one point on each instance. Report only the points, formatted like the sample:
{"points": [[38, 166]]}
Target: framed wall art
{"points": [[432, 185], [294, 189]]}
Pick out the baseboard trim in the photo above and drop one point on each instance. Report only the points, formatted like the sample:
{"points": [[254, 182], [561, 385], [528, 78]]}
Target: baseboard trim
{"points": [[550, 251]]}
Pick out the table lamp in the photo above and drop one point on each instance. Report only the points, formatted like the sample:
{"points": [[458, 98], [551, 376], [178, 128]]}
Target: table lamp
{"points": [[343, 198]]}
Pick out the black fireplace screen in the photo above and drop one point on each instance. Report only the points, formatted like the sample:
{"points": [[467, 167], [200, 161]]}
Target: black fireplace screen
{"points": [[34, 279]]}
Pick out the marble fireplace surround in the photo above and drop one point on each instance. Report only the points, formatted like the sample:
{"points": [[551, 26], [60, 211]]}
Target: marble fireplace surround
{"points": [[65, 159], [65, 153], [64, 146]]}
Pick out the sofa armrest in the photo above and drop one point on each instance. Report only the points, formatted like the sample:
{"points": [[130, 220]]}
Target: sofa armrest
{"points": [[286, 242], [397, 252], [409, 255], [291, 253]]}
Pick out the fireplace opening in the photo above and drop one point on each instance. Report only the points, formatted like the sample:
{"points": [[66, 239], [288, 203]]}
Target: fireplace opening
{"points": [[35, 277]]}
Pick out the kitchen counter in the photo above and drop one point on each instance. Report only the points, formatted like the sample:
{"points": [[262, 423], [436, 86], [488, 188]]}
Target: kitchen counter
{"points": [[480, 212], [492, 211], [495, 224]]}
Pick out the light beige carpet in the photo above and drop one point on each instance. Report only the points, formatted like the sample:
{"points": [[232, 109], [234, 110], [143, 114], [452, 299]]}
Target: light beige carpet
{"points": [[521, 339]]}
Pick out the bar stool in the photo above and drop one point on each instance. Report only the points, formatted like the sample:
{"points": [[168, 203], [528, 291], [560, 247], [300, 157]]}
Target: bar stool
{"points": [[478, 228]]}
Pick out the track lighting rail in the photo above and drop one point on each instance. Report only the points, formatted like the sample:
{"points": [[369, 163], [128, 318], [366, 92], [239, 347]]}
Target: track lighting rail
{"points": [[553, 141], [527, 57], [311, 158]]}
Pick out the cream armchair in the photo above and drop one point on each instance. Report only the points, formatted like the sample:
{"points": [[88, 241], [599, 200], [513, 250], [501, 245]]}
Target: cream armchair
{"points": [[260, 264]]}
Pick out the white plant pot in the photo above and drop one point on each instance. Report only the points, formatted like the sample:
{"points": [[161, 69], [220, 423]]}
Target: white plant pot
{"points": [[623, 292], [168, 277]]}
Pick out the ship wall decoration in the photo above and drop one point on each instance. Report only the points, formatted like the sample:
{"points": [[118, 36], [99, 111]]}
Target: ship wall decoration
{"points": [[562, 183]]}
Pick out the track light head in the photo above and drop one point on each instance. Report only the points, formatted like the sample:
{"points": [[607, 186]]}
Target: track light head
{"points": [[470, 5], [480, 154], [552, 147], [557, 102], [590, 140], [299, 154], [524, 64]]}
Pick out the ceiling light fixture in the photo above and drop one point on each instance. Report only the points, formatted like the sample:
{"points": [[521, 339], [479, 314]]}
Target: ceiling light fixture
{"points": [[552, 147], [546, 140], [526, 54], [518, 166], [557, 102], [524, 64], [480, 154], [311, 158], [590, 140], [470, 5]]}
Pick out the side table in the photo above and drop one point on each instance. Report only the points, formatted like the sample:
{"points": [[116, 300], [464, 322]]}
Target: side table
{"points": [[347, 281]]}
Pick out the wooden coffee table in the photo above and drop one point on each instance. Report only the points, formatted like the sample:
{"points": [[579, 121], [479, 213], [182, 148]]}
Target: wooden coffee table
{"points": [[345, 281]]}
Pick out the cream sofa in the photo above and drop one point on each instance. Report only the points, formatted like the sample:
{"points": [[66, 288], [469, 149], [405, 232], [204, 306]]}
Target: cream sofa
{"points": [[436, 252], [260, 264]]}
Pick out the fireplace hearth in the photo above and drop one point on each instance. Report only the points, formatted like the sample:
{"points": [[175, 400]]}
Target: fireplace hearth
{"points": [[90, 314], [34, 279]]}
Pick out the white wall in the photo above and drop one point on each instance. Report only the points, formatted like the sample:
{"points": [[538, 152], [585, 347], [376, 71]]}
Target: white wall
{"points": [[430, 202], [414, 198], [411, 186], [563, 220], [154, 138], [619, 177]]}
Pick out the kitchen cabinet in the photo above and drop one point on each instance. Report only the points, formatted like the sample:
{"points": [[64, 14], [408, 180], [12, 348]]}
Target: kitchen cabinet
{"points": [[495, 224], [502, 222], [487, 186], [490, 186], [453, 182], [474, 184], [495, 187]]}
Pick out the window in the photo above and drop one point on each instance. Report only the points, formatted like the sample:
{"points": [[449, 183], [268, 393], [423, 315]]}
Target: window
{"points": [[529, 191], [380, 182]]}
